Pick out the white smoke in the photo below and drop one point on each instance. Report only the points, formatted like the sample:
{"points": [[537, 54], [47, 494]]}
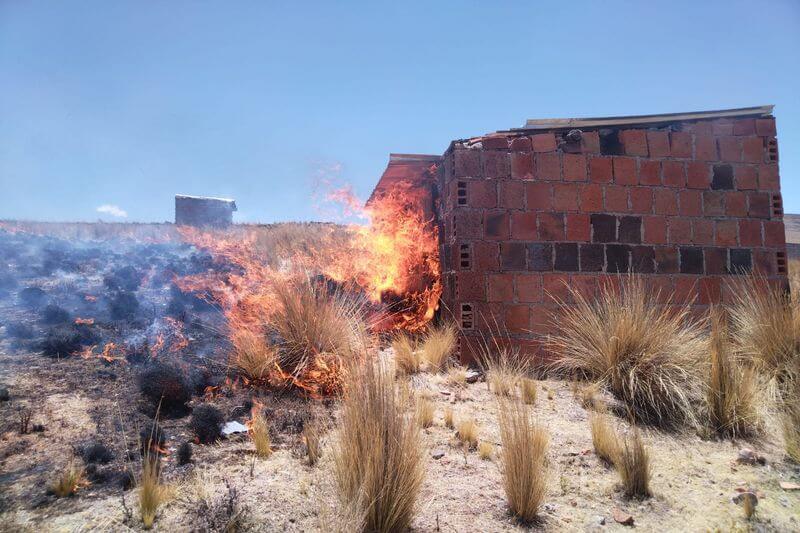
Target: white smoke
{"points": [[113, 210]]}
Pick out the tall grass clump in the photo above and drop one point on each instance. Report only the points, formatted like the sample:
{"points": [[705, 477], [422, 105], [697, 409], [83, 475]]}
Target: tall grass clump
{"points": [[790, 422], [438, 345], [312, 321], [152, 491], [732, 397], [528, 390], [406, 357], [633, 466], [604, 438], [504, 368], [645, 354], [69, 481], [378, 457], [523, 459], [765, 327], [252, 355], [259, 433]]}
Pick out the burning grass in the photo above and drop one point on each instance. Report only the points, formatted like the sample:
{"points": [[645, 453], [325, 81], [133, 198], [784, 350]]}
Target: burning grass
{"points": [[259, 432], [69, 481], [378, 456], [648, 356], [523, 459]]}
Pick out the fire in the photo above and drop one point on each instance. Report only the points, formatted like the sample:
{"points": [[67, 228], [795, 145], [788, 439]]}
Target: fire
{"points": [[84, 321], [392, 260]]}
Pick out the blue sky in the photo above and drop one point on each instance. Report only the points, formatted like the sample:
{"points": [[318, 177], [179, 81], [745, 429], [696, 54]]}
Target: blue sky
{"points": [[123, 104]]}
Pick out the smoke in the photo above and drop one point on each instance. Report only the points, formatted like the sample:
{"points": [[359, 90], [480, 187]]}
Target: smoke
{"points": [[113, 210]]}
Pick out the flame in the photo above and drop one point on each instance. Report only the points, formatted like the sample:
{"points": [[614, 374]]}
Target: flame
{"points": [[84, 321], [392, 259]]}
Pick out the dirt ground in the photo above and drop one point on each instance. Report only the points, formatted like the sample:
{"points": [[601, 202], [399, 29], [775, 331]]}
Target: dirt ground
{"points": [[76, 400]]}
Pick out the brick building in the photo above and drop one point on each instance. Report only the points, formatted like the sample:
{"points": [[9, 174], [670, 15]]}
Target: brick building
{"points": [[202, 211], [684, 199]]}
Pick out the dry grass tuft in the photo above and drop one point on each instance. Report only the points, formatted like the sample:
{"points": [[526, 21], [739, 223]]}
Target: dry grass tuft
{"points": [[457, 376], [259, 434], [425, 411], [448, 418], [437, 346], [467, 433], [378, 458], [310, 321], [69, 481], [633, 465], [732, 397], [604, 438], [252, 355], [504, 370], [528, 388], [485, 450], [523, 459], [790, 422], [152, 492], [406, 357], [648, 356], [312, 436]]}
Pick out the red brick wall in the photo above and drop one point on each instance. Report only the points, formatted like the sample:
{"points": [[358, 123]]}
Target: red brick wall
{"points": [[684, 204]]}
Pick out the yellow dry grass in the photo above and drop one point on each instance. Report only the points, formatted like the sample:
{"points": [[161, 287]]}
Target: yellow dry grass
{"points": [[378, 456], [633, 466], [457, 376], [523, 459], [259, 434], [467, 433], [647, 355], [732, 396], [69, 481], [424, 412], [604, 438], [437, 346], [252, 355], [485, 450], [448, 418], [406, 357], [312, 437], [152, 491], [528, 389]]}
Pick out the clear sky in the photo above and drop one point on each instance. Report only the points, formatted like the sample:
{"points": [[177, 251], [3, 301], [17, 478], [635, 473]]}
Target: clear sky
{"points": [[118, 105]]}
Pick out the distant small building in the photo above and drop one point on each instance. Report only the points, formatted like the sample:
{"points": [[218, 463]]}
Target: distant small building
{"points": [[201, 211], [792, 224]]}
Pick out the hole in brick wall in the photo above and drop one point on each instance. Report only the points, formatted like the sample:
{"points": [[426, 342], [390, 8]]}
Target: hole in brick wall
{"points": [[461, 193], [781, 259], [772, 150], [609, 142], [465, 255], [777, 205], [466, 316]]}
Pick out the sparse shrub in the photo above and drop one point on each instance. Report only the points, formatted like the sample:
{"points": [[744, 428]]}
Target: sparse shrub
{"points": [[69, 481], [425, 411], [633, 466], [259, 433], [61, 342], [206, 423], [4, 394], [53, 314], [437, 346], [25, 415], [125, 278], [448, 418], [523, 459], [732, 394], [405, 355], [97, 452], [32, 297], [311, 438], [311, 321], [225, 513], [604, 438], [528, 389], [467, 432], [165, 384], [485, 450], [252, 355], [457, 376], [123, 306], [152, 492], [185, 453], [648, 355], [378, 457], [504, 370]]}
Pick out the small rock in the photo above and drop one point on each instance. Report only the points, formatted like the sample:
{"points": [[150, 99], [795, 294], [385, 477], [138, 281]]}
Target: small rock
{"points": [[550, 507], [437, 454], [600, 520], [472, 376], [788, 485], [749, 457], [444, 392], [621, 517], [233, 427], [4, 394]]}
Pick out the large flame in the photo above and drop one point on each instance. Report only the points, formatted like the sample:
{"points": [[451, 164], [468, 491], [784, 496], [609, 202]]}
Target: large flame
{"points": [[392, 259]]}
